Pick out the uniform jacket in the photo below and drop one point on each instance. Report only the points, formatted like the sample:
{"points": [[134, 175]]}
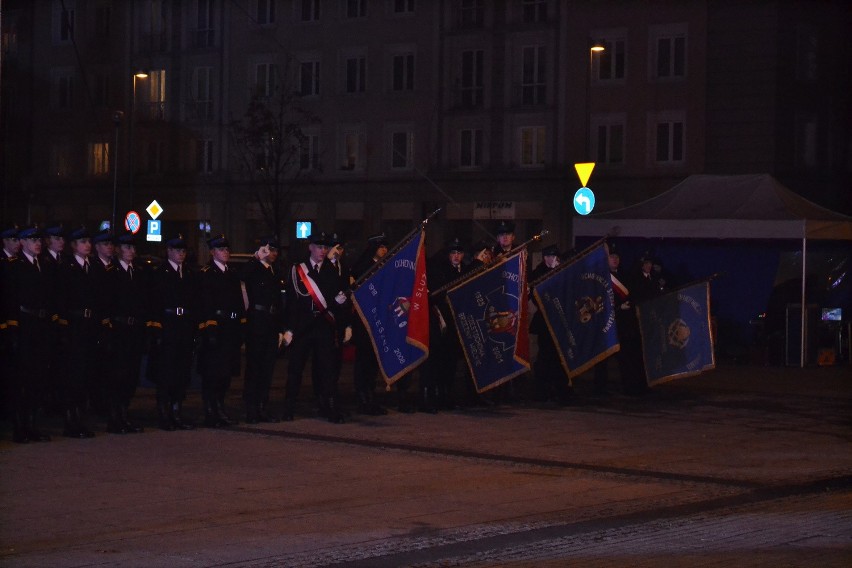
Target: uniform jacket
{"points": [[301, 310], [265, 292], [171, 294], [221, 295]]}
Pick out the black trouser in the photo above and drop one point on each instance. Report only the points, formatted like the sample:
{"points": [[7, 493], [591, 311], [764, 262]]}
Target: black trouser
{"points": [[550, 377], [28, 371], [320, 338], [261, 351], [128, 348], [439, 370], [220, 358], [366, 366], [174, 359], [80, 340]]}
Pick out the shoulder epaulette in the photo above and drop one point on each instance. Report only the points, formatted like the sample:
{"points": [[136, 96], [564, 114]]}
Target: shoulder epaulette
{"points": [[206, 268]]}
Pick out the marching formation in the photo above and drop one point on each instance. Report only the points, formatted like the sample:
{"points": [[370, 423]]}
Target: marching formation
{"points": [[82, 317]]}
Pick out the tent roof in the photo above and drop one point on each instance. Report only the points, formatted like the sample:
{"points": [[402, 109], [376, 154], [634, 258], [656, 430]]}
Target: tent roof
{"points": [[716, 206]]}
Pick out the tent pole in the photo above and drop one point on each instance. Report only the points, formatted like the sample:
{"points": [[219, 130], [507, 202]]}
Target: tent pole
{"points": [[804, 306]]}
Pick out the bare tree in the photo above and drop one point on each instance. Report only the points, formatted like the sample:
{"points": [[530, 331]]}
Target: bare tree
{"points": [[273, 154]]}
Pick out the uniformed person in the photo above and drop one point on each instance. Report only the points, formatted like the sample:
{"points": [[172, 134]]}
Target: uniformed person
{"points": [[173, 302], [223, 315], [366, 366], [316, 302], [50, 259], [103, 279], [54, 244], [438, 374], [28, 294], [551, 382], [129, 310], [505, 238], [81, 321], [264, 287], [10, 247]]}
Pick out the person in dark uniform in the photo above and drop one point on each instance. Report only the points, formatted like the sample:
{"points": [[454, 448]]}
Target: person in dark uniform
{"points": [[317, 308], [10, 247], [224, 316], [437, 376], [629, 357], [103, 275], [50, 258], [505, 238], [54, 244], [79, 316], [644, 282], [28, 304], [173, 302], [366, 366], [265, 326], [129, 308], [551, 382]]}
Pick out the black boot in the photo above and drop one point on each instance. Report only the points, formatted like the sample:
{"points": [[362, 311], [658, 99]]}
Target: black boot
{"points": [[177, 418], [128, 425], [335, 416], [164, 414], [223, 415], [115, 423], [211, 417], [265, 416]]}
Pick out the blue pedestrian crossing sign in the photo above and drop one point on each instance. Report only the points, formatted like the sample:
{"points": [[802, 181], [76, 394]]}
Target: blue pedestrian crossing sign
{"points": [[155, 231], [303, 229], [584, 201]]}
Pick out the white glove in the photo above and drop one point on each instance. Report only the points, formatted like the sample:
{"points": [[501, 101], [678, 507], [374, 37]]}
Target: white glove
{"points": [[347, 334]]}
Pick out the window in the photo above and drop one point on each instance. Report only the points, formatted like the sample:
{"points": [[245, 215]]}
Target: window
{"points": [[533, 81], [64, 20], [471, 78], [402, 150], [98, 158], [356, 74], [265, 80], [470, 13], [352, 149], [470, 148], [60, 160], [532, 140], [309, 78], [534, 11], [610, 143], [668, 50], [806, 54], [356, 8], [100, 90], [309, 152], [403, 72], [806, 141], [265, 12], [204, 156], [205, 34], [103, 15], [63, 88], [153, 95], [611, 61], [310, 11], [200, 93], [403, 6], [669, 144]]}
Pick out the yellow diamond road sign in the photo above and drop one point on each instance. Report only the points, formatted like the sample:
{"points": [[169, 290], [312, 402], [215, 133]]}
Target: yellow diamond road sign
{"points": [[154, 209], [584, 170]]}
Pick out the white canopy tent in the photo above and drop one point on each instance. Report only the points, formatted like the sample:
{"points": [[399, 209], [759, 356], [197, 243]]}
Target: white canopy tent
{"points": [[724, 207]]}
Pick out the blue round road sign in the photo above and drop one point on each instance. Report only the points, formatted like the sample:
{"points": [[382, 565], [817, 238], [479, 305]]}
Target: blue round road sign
{"points": [[584, 201]]}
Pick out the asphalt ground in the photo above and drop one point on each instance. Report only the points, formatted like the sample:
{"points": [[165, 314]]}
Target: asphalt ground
{"points": [[742, 466]]}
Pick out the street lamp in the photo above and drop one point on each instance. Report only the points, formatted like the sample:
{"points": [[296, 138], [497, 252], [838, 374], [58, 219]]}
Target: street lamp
{"points": [[594, 47], [140, 74]]}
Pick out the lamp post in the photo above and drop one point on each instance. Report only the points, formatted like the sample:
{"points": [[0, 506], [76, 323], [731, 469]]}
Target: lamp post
{"points": [[594, 47], [116, 120], [140, 74]]}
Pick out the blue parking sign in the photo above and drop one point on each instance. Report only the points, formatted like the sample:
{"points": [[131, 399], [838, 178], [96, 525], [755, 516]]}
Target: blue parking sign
{"points": [[155, 231]]}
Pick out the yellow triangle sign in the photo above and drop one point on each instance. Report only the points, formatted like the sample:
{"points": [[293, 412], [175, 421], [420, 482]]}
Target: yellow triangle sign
{"points": [[584, 170]]}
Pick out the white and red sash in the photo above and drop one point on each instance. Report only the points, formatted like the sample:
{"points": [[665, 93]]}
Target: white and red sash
{"points": [[620, 289], [316, 294]]}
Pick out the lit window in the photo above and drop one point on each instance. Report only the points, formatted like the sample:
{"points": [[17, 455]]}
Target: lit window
{"points": [[352, 149], [99, 158], [532, 140]]}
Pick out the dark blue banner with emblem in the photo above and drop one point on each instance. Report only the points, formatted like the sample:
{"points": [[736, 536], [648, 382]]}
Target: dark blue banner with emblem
{"points": [[393, 303], [576, 300], [490, 311], [676, 338]]}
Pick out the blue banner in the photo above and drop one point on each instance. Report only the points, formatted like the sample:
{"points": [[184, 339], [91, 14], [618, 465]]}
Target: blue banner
{"points": [[676, 338], [576, 301], [393, 303], [490, 312]]}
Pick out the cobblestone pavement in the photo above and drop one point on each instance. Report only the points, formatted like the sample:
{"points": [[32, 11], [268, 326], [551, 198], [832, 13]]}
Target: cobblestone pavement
{"points": [[741, 466]]}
